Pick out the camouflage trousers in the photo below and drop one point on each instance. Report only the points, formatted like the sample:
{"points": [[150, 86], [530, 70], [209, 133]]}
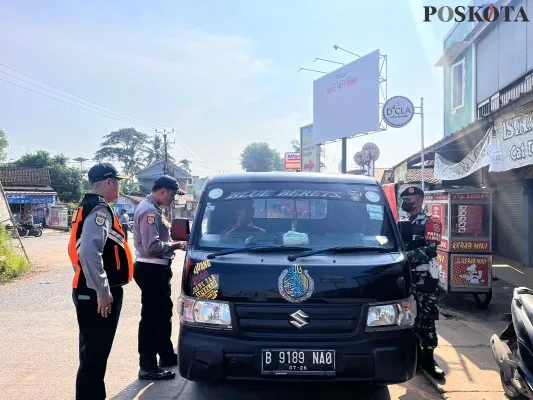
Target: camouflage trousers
{"points": [[427, 313]]}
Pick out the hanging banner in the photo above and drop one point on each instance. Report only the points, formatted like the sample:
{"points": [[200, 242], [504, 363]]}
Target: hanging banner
{"points": [[514, 145], [310, 160], [507, 146], [478, 158]]}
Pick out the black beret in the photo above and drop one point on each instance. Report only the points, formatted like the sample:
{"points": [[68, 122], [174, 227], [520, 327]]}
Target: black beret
{"points": [[412, 191]]}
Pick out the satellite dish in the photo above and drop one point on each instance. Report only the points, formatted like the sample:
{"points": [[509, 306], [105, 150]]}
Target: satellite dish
{"points": [[359, 159], [370, 152]]}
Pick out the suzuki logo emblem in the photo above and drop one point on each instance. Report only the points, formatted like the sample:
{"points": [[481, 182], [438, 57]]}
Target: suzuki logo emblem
{"points": [[299, 319]]}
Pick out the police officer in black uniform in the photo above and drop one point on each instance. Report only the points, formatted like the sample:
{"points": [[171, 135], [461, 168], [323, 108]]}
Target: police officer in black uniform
{"points": [[102, 264], [154, 254], [424, 237]]}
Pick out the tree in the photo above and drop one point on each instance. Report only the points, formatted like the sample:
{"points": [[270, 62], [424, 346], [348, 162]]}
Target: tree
{"points": [[156, 151], [3, 145], [259, 157], [130, 187], [65, 180], [185, 164], [126, 145]]}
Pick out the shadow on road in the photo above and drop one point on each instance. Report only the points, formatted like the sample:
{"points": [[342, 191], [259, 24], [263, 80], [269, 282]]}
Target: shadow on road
{"points": [[256, 391]]}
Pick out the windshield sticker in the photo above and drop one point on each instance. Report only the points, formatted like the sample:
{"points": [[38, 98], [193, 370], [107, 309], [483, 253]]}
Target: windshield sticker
{"points": [[210, 207], [207, 288], [372, 196], [295, 284], [310, 193], [374, 208], [376, 216], [372, 188], [251, 194], [382, 240], [355, 195], [215, 193]]}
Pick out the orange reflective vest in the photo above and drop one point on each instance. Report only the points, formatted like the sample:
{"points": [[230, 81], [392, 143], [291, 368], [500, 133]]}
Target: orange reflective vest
{"points": [[116, 256]]}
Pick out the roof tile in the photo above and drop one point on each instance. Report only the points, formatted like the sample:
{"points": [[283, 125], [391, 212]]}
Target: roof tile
{"points": [[24, 176]]}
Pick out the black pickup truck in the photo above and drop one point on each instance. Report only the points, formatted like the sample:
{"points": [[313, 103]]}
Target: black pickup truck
{"points": [[295, 276]]}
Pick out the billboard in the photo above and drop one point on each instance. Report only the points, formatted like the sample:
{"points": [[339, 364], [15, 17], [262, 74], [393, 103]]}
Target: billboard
{"points": [[346, 101], [292, 161], [310, 151]]}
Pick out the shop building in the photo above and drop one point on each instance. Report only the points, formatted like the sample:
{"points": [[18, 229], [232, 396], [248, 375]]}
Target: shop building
{"points": [[28, 190], [488, 125]]}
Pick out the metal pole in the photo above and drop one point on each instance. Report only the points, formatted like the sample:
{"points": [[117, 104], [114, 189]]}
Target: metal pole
{"points": [[344, 161], [422, 160], [166, 152]]}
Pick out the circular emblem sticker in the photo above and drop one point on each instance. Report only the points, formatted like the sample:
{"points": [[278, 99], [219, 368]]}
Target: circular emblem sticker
{"points": [[295, 284], [372, 196], [215, 193]]}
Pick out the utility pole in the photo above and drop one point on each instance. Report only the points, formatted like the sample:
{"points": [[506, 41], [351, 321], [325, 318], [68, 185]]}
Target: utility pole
{"points": [[165, 149]]}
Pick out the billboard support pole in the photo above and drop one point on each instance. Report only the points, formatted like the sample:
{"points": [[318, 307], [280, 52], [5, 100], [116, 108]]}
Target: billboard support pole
{"points": [[344, 159]]}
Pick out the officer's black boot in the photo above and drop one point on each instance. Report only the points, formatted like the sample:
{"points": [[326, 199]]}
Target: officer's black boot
{"points": [[156, 374], [430, 365]]}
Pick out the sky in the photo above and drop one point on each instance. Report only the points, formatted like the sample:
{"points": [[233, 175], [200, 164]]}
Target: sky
{"points": [[223, 74]]}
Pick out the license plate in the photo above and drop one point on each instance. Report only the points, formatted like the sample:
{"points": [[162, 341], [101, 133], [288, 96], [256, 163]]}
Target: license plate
{"points": [[297, 362]]}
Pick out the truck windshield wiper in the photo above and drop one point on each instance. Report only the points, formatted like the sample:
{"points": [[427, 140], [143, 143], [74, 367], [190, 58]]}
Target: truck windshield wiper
{"points": [[256, 248], [338, 249]]}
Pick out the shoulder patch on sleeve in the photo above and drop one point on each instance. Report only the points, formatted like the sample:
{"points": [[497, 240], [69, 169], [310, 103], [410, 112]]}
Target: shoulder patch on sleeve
{"points": [[433, 231], [150, 218]]}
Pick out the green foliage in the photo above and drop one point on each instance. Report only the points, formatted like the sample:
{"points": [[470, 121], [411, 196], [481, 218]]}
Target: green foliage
{"points": [[126, 145], [3, 145], [65, 180], [259, 157], [155, 151], [130, 187], [185, 164], [13, 262]]}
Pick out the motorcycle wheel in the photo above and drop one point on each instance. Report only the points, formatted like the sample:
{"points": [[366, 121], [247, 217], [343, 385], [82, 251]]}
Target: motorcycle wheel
{"points": [[38, 232], [508, 388]]}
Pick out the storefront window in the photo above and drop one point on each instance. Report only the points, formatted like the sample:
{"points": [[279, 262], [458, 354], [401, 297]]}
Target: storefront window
{"points": [[470, 220]]}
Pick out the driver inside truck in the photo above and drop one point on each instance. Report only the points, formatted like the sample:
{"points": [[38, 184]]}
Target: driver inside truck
{"points": [[244, 217]]}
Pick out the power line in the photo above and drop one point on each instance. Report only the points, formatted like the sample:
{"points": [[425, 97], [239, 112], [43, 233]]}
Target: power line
{"points": [[123, 115], [71, 104]]}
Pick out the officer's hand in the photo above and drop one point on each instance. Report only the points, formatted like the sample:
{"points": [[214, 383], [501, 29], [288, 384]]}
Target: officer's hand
{"points": [[184, 246], [104, 306]]}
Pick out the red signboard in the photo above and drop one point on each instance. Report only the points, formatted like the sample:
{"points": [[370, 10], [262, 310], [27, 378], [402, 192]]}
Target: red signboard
{"points": [[444, 244], [470, 219], [470, 271], [443, 258], [471, 196], [293, 160], [470, 246], [436, 196]]}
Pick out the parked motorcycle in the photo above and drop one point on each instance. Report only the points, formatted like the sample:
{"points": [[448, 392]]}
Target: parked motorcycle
{"points": [[17, 231], [35, 230], [513, 348]]}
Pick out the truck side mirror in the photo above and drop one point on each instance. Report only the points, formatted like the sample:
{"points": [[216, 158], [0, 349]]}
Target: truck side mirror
{"points": [[180, 230], [406, 230]]}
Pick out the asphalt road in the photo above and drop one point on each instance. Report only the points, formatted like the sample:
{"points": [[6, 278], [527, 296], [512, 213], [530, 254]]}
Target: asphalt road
{"points": [[39, 338]]}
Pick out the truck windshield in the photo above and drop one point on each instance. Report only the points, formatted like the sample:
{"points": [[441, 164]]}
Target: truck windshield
{"points": [[306, 214]]}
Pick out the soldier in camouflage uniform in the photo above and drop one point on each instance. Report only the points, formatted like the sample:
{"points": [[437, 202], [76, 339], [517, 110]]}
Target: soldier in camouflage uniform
{"points": [[425, 232]]}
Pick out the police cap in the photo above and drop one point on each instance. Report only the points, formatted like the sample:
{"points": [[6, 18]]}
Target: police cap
{"points": [[412, 191], [103, 171], [167, 182]]}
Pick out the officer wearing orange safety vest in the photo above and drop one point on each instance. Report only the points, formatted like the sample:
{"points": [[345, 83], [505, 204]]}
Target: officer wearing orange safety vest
{"points": [[102, 264]]}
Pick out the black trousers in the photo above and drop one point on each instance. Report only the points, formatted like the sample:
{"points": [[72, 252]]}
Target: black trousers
{"points": [[155, 328], [125, 229], [96, 338]]}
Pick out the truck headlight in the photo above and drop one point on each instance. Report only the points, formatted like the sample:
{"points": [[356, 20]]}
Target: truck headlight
{"points": [[401, 313], [204, 312]]}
